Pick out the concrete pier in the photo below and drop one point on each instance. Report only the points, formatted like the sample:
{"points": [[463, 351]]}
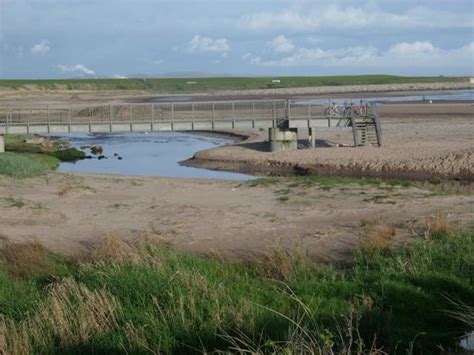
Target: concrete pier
{"points": [[283, 139], [2, 144]]}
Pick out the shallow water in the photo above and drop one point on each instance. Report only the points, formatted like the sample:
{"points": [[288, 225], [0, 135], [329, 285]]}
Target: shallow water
{"points": [[147, 154], [449, 95]]}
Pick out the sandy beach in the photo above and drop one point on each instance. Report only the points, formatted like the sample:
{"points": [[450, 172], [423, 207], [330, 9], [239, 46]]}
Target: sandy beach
{"points": [[70, 212]]}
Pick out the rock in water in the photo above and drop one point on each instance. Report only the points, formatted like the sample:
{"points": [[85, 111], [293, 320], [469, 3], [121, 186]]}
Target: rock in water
{"points": [[97, 150]]}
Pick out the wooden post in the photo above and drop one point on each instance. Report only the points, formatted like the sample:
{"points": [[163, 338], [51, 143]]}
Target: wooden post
{"points": [[131, 118], [192, 117]]}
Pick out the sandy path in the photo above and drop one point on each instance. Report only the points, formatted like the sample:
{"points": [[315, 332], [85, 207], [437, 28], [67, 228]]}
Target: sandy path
{"points": [[69, 212]]}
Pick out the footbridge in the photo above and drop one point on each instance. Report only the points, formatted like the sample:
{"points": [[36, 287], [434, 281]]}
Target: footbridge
{"points": [[282, 118]]}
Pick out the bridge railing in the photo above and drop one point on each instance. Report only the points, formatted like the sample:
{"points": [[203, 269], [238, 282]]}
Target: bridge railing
{"points": [[254, 110]]}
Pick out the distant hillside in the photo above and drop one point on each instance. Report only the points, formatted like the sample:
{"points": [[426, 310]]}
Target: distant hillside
{"points": [[194, 83]]}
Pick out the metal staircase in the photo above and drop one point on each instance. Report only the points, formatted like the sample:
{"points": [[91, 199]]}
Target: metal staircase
{"points": [[366, 126]]}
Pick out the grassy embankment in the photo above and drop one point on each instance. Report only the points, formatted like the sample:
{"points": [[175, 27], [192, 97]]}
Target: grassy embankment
{"points": [[22, 160], [145, 297], [174, 85]]}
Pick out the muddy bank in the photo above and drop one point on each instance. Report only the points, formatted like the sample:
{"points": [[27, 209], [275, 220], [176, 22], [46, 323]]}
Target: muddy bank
{"points": [[279, 168]]}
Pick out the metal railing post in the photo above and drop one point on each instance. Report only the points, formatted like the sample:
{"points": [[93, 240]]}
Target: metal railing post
{"points": [[69, 118], [28, 118], [131, 118], [253, 114], [330, 113], [172, 116], [110, 118], [90, 120], [212, 115], [192, 117], [152, 117], [49, 118], [9, 115], [309, 114], [233, 114]]}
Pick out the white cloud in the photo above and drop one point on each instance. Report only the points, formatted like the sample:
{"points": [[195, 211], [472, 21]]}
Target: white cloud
{"points": [[119, 76], [207, 44], [419, 54], [251, 59], [312, 17], [281, 44], [41, 48], [78, 68], [415, 48]]}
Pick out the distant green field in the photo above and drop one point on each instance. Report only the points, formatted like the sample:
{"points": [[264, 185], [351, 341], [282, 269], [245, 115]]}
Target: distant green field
{"points": [[190, 85]]}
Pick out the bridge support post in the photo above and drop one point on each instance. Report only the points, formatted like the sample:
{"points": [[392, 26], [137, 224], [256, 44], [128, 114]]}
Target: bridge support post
{"points": [[2, 144], [312, 136], [283, 139]]}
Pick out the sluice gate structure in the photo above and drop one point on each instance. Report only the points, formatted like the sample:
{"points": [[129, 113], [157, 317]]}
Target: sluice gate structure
{"points": [[282, 119]]}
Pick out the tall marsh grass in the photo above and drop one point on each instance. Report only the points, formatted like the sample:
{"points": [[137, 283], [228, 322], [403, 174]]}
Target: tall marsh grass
{"points": [[143, 296]]}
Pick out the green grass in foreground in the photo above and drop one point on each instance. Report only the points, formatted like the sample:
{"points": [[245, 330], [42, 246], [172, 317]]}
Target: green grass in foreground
{"points": [[145, 297], [175, 85], [24, 165], [22, 160]]}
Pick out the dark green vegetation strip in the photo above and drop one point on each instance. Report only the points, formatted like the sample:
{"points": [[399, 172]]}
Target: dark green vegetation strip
{"points": [[211, 84], [16, 143], [145, 297]]}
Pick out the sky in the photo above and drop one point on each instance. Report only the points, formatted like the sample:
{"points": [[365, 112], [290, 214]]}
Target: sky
{"points": [[123, 38]]}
